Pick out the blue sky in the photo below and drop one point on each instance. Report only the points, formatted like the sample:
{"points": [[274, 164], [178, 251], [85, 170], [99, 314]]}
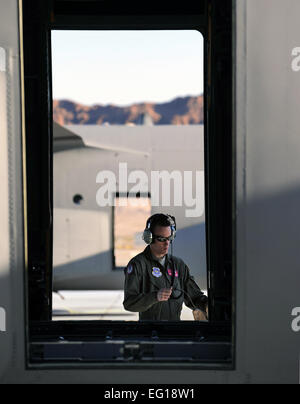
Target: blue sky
{"points": [[124, 67]]}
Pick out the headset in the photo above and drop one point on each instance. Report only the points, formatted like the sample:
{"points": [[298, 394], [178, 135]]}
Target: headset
{"points": [[148, 237]]}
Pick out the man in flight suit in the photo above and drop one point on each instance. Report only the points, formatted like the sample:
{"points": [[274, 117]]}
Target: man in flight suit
{"points": [[156, 283]]}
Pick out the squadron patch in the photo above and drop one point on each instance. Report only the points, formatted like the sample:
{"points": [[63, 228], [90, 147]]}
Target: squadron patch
{"points": [[129, 269], [156, 272]]}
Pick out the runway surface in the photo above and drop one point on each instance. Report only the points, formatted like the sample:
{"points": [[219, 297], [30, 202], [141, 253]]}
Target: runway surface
{"points": [[97, 305]]}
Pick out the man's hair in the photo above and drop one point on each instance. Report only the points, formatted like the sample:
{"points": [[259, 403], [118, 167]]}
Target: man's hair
{"points": [[159, 219]]}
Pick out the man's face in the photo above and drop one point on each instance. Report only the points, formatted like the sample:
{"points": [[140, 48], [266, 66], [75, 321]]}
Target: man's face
{"points": [[158, 248]]}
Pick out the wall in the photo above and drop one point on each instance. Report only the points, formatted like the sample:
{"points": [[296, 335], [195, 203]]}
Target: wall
{"points": [[268, 220]]}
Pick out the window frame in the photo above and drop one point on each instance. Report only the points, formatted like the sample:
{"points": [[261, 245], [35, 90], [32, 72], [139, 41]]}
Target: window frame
{"points": [[219, 179]]}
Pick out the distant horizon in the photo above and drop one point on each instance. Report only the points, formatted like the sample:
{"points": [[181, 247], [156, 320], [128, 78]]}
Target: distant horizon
{"points": [[124, 106], [179, 110]]}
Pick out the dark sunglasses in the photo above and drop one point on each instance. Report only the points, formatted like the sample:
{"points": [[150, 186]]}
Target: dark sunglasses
{"points": [[163, 239]]}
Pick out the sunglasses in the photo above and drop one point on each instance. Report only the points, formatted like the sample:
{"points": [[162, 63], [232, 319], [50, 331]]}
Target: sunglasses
{"points": [[163, 239]]}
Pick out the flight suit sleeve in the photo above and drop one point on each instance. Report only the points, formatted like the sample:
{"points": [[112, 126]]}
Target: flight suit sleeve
{"points": [[134, 298], [194, 298]]}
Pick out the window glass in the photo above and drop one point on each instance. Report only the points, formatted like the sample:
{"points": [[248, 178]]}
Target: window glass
{"points": [[128, 119], [130, 217]]}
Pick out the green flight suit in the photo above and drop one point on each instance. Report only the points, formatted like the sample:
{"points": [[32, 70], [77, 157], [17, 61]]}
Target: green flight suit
{"points": [[144, 277]]}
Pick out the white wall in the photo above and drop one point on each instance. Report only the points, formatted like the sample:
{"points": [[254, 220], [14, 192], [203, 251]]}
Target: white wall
{"points": [[11, 208], [268, 169]]}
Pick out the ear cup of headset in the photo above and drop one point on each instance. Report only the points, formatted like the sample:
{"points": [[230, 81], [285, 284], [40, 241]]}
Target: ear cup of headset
{"points": [[147, 236]]}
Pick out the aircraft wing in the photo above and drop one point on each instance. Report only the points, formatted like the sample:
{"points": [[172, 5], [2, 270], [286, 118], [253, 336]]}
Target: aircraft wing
{"points": [[65, 139]]}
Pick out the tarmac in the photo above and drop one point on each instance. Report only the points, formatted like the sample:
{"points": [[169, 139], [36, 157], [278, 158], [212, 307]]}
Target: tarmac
{"points": [[97, 305]]}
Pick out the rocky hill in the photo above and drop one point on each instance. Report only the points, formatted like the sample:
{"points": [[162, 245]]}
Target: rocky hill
{"points": [[180, 111]]}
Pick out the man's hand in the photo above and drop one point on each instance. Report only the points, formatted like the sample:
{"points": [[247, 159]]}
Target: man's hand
{"points": [[200, 315], [164, 294]]}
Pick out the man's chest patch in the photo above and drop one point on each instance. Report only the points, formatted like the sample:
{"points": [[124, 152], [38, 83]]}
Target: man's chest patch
{"points": [[156, 272]]}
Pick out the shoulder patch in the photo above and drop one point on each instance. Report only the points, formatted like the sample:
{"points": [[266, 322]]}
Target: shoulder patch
{"points": [[129, 269]]}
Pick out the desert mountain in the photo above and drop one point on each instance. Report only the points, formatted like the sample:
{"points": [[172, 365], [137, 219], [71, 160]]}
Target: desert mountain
{"points": [[180, 111]]}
